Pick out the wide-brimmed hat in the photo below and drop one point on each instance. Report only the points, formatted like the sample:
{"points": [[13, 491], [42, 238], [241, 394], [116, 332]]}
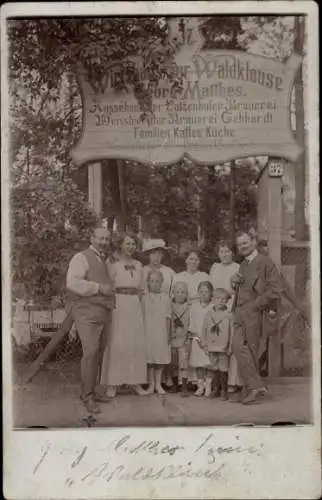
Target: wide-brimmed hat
{"points": [[154, 244]]}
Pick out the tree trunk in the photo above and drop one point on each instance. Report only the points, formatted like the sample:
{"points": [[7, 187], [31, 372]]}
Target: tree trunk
{"points": [[123, 214], [110, 223], [29, 217], [118, 193], [208, 220], [232, 203]]}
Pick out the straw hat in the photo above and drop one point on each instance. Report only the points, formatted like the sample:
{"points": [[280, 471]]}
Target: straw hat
{"points": [[154, 244]]}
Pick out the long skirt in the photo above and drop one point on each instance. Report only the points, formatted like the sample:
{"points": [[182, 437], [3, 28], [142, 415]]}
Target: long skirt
{"points": [[125, 359], [233, 374]]}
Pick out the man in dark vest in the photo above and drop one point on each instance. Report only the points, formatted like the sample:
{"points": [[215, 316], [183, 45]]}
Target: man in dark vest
{"points": [[257, 288], [90, 298]]}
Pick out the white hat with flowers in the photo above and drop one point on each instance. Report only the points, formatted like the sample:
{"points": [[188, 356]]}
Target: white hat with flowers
{"points": [[154, 244]]}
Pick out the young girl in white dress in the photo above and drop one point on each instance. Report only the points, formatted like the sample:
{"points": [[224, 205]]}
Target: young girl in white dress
{"points": [[198, 359], [220, 274], [125, 360], [157, 321], [192, 277]]}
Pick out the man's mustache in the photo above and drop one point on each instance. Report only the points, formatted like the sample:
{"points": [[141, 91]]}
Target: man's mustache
{"points": [[106, 248]]}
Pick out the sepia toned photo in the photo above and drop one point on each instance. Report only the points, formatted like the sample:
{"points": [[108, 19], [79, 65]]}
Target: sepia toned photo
{"points": [[160, 250], [160, 224]]}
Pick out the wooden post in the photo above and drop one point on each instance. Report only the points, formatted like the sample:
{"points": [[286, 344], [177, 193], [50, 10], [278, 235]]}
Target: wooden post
{"points": [[274, 219], [95, 188], [299, 132]]}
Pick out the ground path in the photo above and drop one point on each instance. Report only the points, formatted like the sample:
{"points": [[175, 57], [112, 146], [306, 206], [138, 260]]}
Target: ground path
{"points": [[52, 400]]}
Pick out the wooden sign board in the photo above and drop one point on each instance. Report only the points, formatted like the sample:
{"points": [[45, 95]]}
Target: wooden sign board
{"points": [[232, 104]]}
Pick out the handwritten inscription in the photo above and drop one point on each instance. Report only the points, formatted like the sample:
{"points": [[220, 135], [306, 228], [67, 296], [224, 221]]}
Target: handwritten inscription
{"points": [[155, 447], [214, 452], [125, 459], [108, 472]]}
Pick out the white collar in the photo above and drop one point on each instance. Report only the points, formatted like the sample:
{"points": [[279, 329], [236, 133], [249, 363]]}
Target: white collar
{"points": [[96, 251], [252, 256]]}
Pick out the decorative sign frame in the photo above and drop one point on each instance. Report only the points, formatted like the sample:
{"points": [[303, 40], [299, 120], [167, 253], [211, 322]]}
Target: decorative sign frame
{"points": [[232, 104]]}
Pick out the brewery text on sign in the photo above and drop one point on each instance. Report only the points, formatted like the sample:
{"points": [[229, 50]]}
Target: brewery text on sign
{"points": [[230, 104]]}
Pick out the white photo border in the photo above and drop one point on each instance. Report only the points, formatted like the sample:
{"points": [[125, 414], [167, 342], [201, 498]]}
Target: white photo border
{"points": [[286, 461]]}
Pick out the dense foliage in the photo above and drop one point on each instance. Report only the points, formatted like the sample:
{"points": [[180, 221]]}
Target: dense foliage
{"points": [[49, 191]]}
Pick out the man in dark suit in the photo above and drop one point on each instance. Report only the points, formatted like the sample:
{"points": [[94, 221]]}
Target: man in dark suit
{"points": [[257, 287], [291, 316]]}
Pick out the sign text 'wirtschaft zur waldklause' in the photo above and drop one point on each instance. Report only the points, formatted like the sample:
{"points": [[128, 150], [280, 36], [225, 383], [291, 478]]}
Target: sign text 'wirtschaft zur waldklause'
{"points": [[229, 104]]}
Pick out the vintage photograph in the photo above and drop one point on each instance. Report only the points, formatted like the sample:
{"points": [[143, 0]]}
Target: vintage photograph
{"points": [[160, 221]]}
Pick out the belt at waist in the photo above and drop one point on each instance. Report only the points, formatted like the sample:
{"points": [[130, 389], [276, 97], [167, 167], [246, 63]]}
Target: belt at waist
{"points": [[245, 303], [126, 291]]}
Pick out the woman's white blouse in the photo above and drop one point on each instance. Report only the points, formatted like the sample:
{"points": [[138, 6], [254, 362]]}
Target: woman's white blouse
{"points": [[220, 275]]}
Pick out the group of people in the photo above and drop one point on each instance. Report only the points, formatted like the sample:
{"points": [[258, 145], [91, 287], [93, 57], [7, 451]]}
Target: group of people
{"points": [[159, 331]]}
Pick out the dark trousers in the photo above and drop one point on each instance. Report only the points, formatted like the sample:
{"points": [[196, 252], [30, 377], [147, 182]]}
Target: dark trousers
{"points": [[94, 337], [245, 346]]}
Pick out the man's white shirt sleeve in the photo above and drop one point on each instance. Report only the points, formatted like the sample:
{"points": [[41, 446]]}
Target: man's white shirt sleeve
{"points": [[76, 281]]}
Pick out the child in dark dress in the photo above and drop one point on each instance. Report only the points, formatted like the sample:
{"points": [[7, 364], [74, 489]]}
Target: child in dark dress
{"points": [[180, 319]]}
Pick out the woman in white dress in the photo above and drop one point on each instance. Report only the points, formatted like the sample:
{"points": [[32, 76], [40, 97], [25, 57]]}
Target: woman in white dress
{"points": [[220, 274], [192, 276], [155, 249], [125, 359]]}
